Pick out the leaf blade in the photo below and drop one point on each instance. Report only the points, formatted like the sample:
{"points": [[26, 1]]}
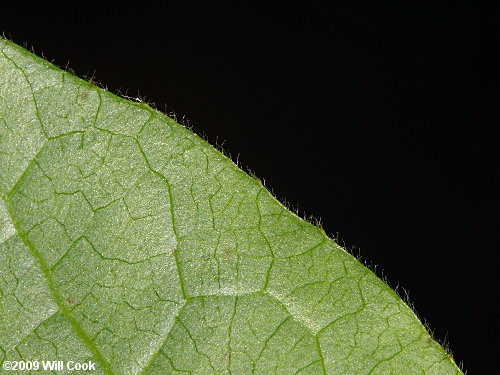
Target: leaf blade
{"points": [[142, 231]]}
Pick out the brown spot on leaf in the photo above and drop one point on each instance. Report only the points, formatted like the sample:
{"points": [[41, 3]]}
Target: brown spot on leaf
{"points": [[228, 252]]}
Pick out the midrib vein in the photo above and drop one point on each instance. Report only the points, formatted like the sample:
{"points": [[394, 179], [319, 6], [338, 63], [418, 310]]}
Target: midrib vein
{"points": [[57, 297]]}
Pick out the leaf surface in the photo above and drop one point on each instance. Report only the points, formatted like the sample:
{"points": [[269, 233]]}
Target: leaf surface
{"points": [[127, 240]]}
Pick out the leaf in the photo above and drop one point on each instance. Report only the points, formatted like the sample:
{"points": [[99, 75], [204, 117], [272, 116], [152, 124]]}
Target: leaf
{"points": [[128, 241]]}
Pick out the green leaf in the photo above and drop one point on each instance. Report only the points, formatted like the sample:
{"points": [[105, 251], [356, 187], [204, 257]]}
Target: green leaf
{"points": [[128, 241]]}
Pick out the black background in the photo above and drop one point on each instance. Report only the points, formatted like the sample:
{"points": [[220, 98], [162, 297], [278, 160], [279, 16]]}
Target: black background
{"points": [[378, 121]]}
